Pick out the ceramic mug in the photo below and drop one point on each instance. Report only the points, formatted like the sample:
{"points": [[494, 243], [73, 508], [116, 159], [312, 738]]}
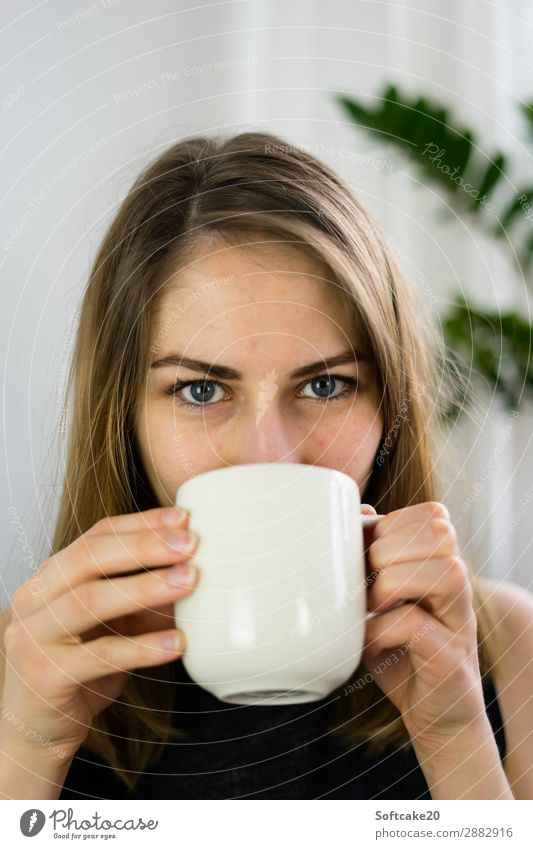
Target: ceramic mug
{"points": [[278, 614]]}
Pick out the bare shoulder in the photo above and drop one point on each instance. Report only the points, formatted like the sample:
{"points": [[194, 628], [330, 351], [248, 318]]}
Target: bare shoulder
{"points": [[512, 609], [511, 606], [5, 619]]}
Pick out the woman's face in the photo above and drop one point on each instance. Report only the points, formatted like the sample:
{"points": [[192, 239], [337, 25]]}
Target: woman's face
{"points": [[260, 316]]}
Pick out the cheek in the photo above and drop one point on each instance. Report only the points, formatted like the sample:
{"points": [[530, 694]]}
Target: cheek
{"points": [[182, 453], [363, 429], [159, 445], [172, 449], [354, 440], [368, 433]]}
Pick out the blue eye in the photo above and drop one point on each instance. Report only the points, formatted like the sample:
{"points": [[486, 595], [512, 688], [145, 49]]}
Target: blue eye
{"points": [[202, 391], [325, 385]]}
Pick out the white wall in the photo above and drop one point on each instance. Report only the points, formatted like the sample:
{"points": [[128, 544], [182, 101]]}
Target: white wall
{"points": [[87, 100]]}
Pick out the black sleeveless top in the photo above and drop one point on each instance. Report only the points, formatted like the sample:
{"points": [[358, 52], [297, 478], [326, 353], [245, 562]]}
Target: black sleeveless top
{"points": [[262, 752]]}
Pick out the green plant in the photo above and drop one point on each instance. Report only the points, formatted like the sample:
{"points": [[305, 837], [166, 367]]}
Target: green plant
{"points": [[495, 345]]}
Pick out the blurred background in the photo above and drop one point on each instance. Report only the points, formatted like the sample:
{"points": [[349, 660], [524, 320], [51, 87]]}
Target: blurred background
{"points": [[425, 109]]}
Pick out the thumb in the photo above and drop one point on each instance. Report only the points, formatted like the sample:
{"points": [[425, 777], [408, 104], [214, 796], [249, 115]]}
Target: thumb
{"points": [[368, 510]]}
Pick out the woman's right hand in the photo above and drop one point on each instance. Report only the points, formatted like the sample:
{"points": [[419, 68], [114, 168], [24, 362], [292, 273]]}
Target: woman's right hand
{"points": [[79, 626]]}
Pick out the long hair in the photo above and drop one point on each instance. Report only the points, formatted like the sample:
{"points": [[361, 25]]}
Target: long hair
{"points": [[204, 188]]}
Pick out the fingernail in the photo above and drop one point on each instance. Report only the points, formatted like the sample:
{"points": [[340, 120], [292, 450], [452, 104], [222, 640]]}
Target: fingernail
{"points": [[182, 540], [173, 516], [181, 575], [172, 641]]}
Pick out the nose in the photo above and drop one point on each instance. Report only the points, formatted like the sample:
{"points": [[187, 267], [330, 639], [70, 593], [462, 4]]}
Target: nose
{"points": [[265, 434]]}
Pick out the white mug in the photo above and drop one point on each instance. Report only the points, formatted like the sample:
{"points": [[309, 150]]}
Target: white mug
{"points": [[278, 614]]}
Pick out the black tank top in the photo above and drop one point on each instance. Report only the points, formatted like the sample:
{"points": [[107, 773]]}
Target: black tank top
{"points": [[262, 752]]}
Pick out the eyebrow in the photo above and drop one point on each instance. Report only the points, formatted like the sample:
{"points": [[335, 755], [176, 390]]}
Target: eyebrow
{"points": [[227, 373]]}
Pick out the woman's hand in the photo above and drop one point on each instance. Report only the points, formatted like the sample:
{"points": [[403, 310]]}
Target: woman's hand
{"points": [[423, 654], [90, 615]]}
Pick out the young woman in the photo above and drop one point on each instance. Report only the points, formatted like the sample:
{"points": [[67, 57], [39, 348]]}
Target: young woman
{"points": [[239, 277]]}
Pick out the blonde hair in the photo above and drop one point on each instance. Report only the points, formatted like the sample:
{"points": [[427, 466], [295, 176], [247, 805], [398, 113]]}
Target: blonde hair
{"points": [[200, 188]]}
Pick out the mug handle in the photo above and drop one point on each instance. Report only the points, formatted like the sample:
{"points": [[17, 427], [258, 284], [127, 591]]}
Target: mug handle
{"points": [[367, 522]]}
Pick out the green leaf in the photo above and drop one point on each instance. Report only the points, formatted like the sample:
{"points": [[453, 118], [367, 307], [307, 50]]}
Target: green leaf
{"points": [[529, 251], [423, 130], [493, 174], [527, 111], [358, 113], [487, 339], [515, 207], [460, 150]]}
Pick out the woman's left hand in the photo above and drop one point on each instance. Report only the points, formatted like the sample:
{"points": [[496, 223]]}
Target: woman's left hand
{"points": [[423, 654]]}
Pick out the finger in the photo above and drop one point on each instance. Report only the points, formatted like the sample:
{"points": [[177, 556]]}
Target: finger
{"points": [[419, 541], [370, 518], [415, 513], [46, 584], [149, 619], [157, 517], [95, 602], [440, 586], [94, 555], [407, 627], [108, 655]]}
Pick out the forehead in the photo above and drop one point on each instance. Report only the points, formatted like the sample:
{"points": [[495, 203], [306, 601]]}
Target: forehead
{"points": [[250, 290]]}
